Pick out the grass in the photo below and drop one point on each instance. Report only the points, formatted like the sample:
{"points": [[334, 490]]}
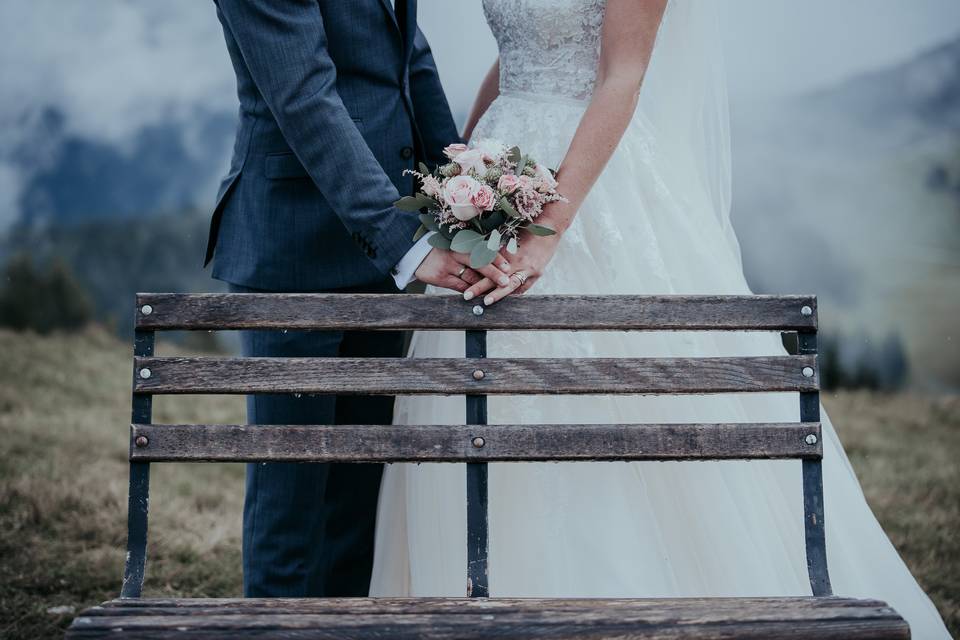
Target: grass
{"points": [[64, 404]]}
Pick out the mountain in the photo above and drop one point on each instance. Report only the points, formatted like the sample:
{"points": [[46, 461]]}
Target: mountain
{"points": [[853, 192], [111, 109], [168, 165], [919, 97]]}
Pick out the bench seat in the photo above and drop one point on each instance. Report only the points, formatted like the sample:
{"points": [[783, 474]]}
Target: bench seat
{"points": [[461, 618]]}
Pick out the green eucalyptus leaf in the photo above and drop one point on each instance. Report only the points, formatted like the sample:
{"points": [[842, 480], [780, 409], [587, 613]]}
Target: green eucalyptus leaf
{"points": [[421, 231], [493, 242], [415, 202], [408, 203], [439, 241], [493, 220], [481, 256], [512, 245], [508, 208], [464, 240], [424, 170], [539, 230], [429, 222], [514, 155]]}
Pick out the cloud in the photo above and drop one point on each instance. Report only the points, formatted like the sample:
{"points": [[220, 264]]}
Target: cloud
{"points": [[112, 65]]}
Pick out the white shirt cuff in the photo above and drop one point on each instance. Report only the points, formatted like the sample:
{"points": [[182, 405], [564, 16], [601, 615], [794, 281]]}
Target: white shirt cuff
{"points": [[403, 273]]}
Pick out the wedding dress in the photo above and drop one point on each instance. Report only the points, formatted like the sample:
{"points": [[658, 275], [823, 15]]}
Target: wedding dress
{"points": [[656, 222]]}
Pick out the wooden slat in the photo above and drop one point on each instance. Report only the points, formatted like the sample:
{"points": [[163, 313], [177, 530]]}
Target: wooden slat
{"points": [[454, 376], [402, 311], [415, 606], [455, 443], [830, 618]]}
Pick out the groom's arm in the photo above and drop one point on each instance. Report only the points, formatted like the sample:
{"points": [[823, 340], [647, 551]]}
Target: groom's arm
{"points": [[284, 46], [430, 107], [437, 130]]}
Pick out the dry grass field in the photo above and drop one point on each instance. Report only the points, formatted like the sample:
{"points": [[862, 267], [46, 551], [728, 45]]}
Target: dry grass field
{"points": [[64, 407]]}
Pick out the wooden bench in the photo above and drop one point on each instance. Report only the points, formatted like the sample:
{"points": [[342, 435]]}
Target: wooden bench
{"points": [[476, 443]]}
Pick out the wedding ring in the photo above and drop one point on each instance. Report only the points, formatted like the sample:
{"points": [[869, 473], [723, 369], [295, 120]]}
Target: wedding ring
{"points": [[521, 276], [462, 271]]}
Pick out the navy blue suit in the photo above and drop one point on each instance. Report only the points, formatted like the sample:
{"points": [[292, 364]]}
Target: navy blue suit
{"points": [[337, 98]]}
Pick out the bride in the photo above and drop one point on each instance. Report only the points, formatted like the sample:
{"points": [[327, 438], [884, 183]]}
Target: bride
{"points": [[648, 213]]}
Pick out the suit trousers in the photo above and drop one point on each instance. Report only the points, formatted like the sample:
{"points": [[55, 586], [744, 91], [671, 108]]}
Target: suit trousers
{"points": [[308, 528]]}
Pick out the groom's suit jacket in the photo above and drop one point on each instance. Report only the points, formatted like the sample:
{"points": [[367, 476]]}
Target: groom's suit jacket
{"points": [[337, 98]]}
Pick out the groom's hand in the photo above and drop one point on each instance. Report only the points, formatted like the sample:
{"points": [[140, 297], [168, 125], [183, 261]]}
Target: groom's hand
{"points": [[452, 270]]}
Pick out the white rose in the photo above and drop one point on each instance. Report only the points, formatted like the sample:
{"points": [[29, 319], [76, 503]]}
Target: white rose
{"points": [[471, 159], [546, 178], [491, 148]]}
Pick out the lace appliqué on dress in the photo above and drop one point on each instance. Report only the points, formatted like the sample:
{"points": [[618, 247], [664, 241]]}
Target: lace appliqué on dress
{"points": [[547, 46]]}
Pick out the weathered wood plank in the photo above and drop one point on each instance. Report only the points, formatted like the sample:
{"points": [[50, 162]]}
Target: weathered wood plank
{"points": [[456, 443], [454, 376], [415, 606], [705, 618], [401, 311]]}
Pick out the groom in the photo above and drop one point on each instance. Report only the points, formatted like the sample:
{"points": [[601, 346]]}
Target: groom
{"points": [[337, 99]]}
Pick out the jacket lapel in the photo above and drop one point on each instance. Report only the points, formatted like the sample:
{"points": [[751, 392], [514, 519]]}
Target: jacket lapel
{"points": [[410, 30], [388, 7]]}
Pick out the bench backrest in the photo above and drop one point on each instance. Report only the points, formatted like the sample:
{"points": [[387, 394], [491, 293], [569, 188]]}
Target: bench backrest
{"points": [[475, 377]]}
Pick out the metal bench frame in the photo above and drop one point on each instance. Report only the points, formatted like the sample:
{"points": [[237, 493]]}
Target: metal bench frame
{"points": [[475, 442], [157, 312]]}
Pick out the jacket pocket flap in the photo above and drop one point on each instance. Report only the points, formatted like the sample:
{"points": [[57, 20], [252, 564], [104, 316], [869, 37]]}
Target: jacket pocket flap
{"points": [[283, 166]]}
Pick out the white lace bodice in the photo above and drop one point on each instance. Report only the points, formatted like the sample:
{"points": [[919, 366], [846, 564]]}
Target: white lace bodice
{"points": [[548, 47]]}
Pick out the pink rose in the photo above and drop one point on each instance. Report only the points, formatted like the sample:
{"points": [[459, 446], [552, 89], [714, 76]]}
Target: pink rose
{"points": [[484, 198], [453, 150], [458, 193], [525, 183], [507, 183], [471, 159]]}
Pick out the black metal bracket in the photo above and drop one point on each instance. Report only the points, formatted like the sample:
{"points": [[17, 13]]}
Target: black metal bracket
{"points": [[138, 501], [478, 544], [814, 530]]}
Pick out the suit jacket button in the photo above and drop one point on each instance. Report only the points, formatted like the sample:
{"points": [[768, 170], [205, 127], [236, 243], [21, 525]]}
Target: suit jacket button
{"points": [[406, 153]]}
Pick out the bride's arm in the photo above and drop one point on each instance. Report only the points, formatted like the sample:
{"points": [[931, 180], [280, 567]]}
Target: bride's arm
{"points": [[629, 31], [489, 90]]}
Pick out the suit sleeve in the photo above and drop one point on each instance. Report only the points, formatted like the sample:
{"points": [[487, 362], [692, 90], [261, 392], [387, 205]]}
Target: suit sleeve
{"points": [[284, 47], [430, 107]]}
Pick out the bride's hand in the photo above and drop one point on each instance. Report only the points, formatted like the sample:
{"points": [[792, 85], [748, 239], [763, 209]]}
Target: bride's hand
{"points": [[530, 261]]}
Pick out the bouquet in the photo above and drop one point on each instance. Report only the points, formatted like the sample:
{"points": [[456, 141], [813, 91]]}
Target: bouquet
{"points": [[482, 199]]}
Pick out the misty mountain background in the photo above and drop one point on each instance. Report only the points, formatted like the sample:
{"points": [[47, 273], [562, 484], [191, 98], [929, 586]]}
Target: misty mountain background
{"points": [[117, 122]]}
